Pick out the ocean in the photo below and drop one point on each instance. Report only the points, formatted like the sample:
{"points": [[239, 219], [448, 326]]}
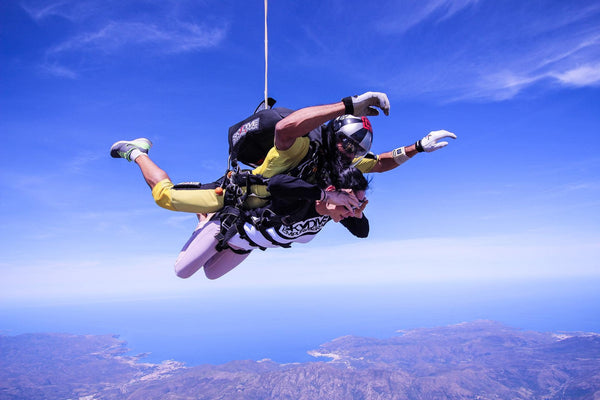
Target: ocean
{"points": [[283, 324]]}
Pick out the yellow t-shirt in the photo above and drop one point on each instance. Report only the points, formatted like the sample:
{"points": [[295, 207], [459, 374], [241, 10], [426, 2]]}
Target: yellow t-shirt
{"points": [[280, 161]]}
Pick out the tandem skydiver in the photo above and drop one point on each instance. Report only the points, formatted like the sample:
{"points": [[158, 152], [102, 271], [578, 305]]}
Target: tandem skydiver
{"points": [[307, 147]]}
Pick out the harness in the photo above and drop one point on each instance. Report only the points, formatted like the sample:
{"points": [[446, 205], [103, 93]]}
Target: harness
{"points": [[309, 166], [236, 190], [313, 165], [236, 186]]}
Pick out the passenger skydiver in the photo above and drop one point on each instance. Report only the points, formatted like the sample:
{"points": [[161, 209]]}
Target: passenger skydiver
{"points": [[295, 213]]}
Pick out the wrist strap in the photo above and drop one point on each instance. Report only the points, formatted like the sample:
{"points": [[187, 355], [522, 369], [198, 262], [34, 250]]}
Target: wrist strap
{"points": [[400, 156], [348, 105], [419, 146]]}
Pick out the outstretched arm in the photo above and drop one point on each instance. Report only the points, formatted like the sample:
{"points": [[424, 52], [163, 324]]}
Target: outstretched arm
{"points": [[392, 159], [300, 122]]}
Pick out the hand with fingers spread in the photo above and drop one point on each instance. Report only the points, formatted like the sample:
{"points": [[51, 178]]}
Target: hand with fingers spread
{"points": [[364, 105], [431, 142]]}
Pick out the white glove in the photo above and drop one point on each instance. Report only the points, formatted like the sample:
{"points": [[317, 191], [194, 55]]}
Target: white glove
{"points": [[363, 105], [430, 142]]}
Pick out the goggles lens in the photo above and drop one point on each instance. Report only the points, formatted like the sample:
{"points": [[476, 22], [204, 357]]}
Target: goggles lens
{"points": [[349, 146]]}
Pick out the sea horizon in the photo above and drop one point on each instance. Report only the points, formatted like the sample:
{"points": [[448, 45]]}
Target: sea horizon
{"points": [[284, 324]]}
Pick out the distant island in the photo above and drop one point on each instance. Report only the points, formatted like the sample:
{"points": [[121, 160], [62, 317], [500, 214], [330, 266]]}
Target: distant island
{"points": [[475, 360]]}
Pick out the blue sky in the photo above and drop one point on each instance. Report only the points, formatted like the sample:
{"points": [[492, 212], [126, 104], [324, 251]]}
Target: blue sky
{"points": [[515, 197]]}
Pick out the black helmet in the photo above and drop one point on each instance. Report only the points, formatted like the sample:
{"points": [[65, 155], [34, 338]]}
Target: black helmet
{"points": [[354, 134]]}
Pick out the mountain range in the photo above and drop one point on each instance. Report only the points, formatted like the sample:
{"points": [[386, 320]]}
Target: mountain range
{"points": [[476, 360]]}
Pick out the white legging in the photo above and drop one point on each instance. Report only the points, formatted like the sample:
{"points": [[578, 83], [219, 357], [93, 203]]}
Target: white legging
{"points": [[200, 250]]}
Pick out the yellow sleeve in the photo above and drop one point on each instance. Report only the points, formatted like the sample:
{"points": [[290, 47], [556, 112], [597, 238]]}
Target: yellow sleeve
{"points": [[367, 163], [200, 200], [280, 161], [193, 201]]}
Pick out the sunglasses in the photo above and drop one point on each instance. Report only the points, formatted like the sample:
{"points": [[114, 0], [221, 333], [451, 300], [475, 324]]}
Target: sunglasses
{"points": [[349, 146]]}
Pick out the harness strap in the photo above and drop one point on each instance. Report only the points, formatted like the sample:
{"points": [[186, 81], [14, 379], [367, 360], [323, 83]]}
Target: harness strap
{"points": [[310, 164], [228, 217], [267, 220], [239, 251]]}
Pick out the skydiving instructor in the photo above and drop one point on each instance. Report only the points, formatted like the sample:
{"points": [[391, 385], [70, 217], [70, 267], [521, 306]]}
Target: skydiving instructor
{"points": [[292, 146]]}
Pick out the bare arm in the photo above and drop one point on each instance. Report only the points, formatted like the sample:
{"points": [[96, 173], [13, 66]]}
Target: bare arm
{"points": [[387, 162], [300, 122], [431, 142]]}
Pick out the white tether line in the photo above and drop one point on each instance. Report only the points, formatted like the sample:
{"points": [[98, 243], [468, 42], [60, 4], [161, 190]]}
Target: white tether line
{"points": [[266, 57]]}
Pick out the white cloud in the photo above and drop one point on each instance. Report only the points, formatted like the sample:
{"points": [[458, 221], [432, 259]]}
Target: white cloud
{"points": [[40, 12], [412, 13], [500, 85], [496, 53], [108, 28], [442, 260], [82, 161], [454, 6], [586, 75], [116, 36], [89, 278], [59, 71], [514, 257], [505, 85], [573, 60]]}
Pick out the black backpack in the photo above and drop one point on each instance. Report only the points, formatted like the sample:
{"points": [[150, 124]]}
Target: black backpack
{"points": [[251, 139]]}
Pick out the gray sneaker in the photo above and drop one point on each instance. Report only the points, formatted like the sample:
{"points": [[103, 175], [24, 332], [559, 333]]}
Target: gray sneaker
{"points": [[123, 148]]}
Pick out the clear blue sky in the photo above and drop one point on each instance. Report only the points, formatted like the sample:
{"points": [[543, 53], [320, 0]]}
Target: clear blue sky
{"points": [[516, 196]]}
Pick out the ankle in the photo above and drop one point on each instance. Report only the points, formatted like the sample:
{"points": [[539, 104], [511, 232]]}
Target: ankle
{"points": [[135, 154]]}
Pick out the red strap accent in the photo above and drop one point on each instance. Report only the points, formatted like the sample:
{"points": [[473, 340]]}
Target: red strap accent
{"points": [[367, 124]]}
